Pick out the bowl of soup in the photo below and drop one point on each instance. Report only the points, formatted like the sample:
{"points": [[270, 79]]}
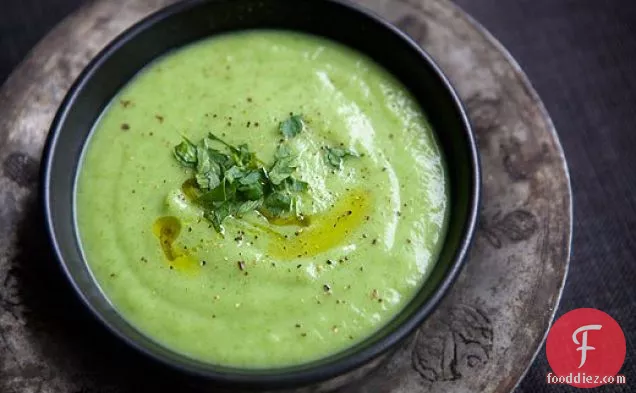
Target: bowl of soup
{"points": [[265, 193]]}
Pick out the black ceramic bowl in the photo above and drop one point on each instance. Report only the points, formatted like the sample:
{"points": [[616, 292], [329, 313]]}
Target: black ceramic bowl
{"points": [[192, 20]]}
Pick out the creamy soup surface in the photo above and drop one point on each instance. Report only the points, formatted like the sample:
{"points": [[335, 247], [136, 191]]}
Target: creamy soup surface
{"points": [[268, 292]]}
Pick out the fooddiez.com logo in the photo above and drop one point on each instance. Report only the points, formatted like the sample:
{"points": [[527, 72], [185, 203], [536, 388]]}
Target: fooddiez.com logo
{"points": [[586, 348]]}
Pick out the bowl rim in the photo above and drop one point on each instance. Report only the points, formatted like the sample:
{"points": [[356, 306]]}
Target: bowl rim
{"points": [[319, 373]]}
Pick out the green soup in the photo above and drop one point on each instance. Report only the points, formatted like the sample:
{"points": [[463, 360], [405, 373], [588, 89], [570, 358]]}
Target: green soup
{"points": [[269, 292]]}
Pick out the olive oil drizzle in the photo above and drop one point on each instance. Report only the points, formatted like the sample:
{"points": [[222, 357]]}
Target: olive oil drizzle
{"points": [[323, 231], [316, 234], [167, 230], [327, 230]]}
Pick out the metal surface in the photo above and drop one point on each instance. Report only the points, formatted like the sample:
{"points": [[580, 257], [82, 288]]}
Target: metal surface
{"points": [[483, 336]]}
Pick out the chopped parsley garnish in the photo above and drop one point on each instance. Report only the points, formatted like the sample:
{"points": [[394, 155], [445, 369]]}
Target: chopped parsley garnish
{"points": [[292, 126], [335, 156], [231, 181], [186, 153]]}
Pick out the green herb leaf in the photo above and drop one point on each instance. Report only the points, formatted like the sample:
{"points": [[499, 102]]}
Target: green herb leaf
{"points": [[208, 180], [292, 126], [282, 151], [233, 174], [220, 213], [336, 155], [208, 174], [281, 170], [186, 153], [248, 206], [246, 158], [250, 186], [203, 159], [224, 161], [250, 178], [284, 165], [278, 202], [211, 198], [252, 192], [295, 185]]}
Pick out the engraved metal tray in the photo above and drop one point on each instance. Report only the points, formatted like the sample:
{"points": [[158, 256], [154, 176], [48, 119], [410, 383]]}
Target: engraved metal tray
{"points": [[482, 338]]}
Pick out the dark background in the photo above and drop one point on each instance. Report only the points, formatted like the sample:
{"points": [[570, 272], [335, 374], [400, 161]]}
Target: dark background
{"points": [[581, 57]]}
